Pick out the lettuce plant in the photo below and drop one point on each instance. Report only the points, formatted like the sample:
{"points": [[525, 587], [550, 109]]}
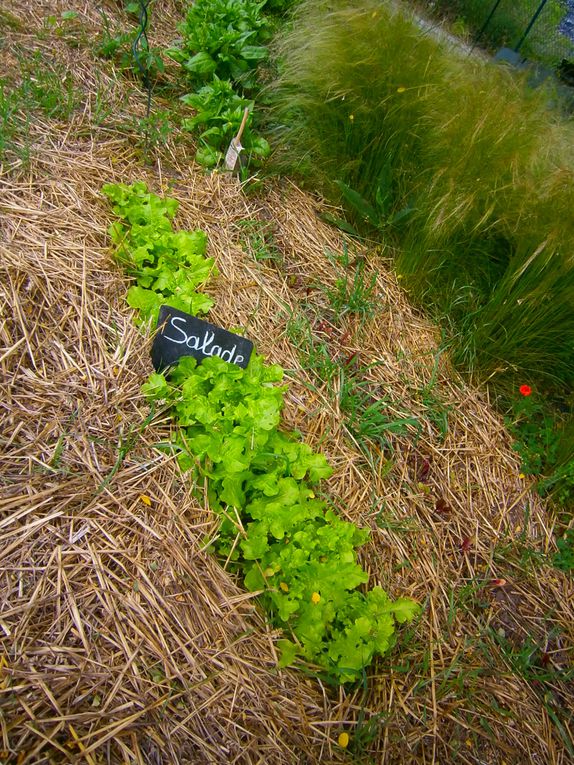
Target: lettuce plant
{"points": [[168, 266]]}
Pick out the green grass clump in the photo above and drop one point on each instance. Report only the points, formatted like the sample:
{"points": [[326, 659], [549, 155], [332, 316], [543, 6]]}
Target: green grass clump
{"points": [[463, 163], [44, 89]]}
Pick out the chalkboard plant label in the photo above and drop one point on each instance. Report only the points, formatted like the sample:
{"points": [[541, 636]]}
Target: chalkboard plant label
{"points": [[181, 334]]}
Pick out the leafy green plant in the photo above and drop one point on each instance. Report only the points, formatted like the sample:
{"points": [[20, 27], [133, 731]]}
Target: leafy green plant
{"points": [[379, 214], [168, 266], [219, 112], [222, 38], [290, 546]]}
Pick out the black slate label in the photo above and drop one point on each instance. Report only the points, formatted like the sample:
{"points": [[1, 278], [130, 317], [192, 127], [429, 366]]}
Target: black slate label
{"points": [[181, 334]]}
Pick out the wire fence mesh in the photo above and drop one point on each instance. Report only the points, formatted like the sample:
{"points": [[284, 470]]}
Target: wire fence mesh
{"points": [[541, 30]]}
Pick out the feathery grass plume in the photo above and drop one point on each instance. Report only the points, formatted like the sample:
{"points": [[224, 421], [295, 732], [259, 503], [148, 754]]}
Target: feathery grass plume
{"points": [[351, 98], [485, 139], [459, 158]]}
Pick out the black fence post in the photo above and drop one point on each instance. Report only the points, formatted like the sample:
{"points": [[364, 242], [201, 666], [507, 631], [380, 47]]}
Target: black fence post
{"points": [[530, 25], [486, 23]]}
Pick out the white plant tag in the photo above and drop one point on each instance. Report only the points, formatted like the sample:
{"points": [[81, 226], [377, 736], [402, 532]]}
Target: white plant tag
{"points": [[233, 152]]}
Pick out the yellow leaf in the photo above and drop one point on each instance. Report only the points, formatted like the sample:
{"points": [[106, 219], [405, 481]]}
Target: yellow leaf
{"points": [[145, 499], [284, 586]]}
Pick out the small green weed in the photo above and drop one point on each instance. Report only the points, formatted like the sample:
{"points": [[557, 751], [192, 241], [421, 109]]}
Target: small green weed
{"points": [[354, 293], [10, 21], [388, 521], [370, 416], [67, 27], [154, 130], [436, 412], [14, 125], [45, 87], [529, 660], [257, 239], [316, 356], [564, 558]]}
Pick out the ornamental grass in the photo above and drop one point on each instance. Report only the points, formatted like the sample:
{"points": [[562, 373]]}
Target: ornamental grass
{"points": [[458, 160]]}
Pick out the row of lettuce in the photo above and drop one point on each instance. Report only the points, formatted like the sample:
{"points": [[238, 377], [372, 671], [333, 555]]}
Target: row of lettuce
{"points": [[287, 543]]}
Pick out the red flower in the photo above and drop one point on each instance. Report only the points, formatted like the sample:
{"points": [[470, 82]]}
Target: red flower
{"points": [[525, 390]]}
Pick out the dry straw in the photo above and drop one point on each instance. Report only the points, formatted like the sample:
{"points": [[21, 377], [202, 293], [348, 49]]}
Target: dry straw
{"points": [[122, 640]]}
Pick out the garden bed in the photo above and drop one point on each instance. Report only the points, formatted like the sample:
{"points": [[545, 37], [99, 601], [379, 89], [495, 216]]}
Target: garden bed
{"points": [[122, 638]]}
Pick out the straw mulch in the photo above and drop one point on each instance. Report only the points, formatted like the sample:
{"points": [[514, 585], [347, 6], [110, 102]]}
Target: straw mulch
{"points": [[122, 640]]}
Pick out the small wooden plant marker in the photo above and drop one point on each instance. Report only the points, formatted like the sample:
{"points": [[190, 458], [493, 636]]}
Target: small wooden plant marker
{"points": [[235, 147]]}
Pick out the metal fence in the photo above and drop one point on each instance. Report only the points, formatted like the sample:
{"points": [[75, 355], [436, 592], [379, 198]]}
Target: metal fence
{"points": [[540, 30]]}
